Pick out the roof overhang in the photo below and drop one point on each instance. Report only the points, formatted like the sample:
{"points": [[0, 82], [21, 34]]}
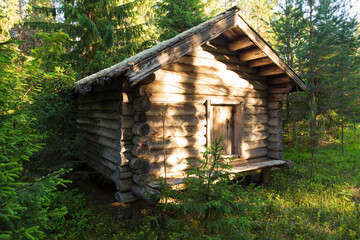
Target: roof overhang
{"points": [[141, 65]]}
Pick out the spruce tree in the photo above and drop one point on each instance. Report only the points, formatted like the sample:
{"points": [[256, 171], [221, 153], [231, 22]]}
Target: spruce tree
{"points": [[102, 33], [176, 16], [288, 28]]}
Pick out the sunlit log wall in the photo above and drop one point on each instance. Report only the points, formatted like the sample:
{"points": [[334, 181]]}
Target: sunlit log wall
{"points": [[123, 125], [178, 97]]}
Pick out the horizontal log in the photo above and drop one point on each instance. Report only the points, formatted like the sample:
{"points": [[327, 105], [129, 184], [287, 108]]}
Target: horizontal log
{"points": [[177, 121], [225, 58], [147, 193], [104, 105], [275, 122], [158, 170], [108, 142], [275, 113], [123, 172], [279, 79], [276, 97], [107, 149], [256, 119], [183, 131], [174, 155], [217, 49], [100, 97], [214, 64], [101, 131], [225, 77], [274, 105], [255, 136], [202, 62], [123, 185], [125, 197], [275, 146], [143, 90], [270, 70], [254, 153], [125, 175], [280, 88], [140, 150], [260, 62], [142, 104], [251, 54], [178, 98], [237, 162], [140, 140], [158, 109], [106, 172], [214, 90], [248, 128], [139, 179], [239, 68], [177, 142], [109, 154], [275, 155], [140, 117], [101, 160], [275, 138], [255, 110], [141, 129], [275, 130], [111, 115], [103, 123], [254, 144], [140, 165], [242, 43]]}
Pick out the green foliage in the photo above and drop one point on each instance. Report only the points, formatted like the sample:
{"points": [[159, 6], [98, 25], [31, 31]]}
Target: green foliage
{"points": [[210, 207], [25, 198], [75, 222], [52, 106], [177, 16], [102, 33], [327, 207]]}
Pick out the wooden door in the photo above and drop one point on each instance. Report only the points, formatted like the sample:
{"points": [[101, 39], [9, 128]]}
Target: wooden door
{"points": [[222, 124]]}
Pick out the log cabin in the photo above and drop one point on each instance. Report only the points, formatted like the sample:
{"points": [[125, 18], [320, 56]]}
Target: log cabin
{"points": [[219, 78]]}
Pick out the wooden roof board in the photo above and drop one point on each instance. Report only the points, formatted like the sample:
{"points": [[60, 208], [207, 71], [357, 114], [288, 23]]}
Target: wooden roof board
{"points": [[139, 66]]}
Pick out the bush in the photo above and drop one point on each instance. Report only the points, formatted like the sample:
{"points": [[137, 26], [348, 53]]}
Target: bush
{"points": [[211, 206]]}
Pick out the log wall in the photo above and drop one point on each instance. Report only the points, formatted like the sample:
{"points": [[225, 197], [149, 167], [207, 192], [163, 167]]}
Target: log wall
{"points": [[105, 120], [178, 112], [125, 127]]}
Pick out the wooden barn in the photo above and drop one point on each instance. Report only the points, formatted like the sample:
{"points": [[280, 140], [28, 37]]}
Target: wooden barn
{"points": [[219, 78]]}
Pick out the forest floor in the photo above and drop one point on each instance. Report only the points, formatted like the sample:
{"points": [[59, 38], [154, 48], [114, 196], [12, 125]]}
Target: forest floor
{"points": [[294, 206]]}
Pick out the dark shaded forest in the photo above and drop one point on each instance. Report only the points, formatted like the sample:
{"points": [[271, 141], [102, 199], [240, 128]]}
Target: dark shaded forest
{"points": [[48, 45]]}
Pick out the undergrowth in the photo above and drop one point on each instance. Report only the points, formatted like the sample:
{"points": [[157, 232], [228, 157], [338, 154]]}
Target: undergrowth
{"points": [[326, 207], [292, 206]]}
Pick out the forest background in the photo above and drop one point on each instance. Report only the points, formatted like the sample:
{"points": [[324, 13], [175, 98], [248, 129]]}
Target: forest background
{"points": [[47, 45]]}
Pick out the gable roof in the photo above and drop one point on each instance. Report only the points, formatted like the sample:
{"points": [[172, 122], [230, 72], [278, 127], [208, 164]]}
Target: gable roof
{"points": [[230, 24]]}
